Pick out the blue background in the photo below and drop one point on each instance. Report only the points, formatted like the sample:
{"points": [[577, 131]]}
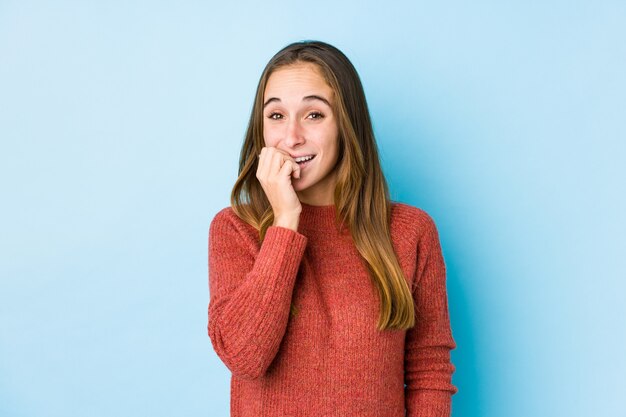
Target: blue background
{"points": [[121, 125]]}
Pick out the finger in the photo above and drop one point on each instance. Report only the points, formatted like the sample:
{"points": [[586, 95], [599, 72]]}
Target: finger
{"points": [[277, 162], [287, 169], [296, 166], [262, 165], [298, 169]]}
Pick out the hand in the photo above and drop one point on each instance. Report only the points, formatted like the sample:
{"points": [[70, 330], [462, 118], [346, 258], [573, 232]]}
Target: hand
{"points": [[274, 173]]}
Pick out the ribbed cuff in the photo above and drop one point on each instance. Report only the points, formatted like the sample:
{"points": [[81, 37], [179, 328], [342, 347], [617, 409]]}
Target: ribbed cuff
{"points": [[428, 403], [281, 250]]}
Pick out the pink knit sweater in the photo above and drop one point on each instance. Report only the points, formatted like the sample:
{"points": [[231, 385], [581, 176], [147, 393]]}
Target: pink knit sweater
{"points": [[329, 359]]}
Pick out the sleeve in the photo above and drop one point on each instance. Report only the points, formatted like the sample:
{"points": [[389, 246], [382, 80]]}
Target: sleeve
{"points": [[250, 289], [427, 365]]}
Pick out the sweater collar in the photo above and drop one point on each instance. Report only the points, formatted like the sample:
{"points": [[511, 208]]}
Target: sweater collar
{"points": [[317, 217]]}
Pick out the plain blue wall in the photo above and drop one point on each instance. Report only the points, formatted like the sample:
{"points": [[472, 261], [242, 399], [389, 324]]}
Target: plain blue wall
{"points": [[120, 127]]}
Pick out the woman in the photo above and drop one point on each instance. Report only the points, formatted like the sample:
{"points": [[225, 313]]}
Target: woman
{"points": [[326, 298]]}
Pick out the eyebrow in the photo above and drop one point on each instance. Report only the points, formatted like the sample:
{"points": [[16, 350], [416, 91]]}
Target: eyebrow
{"points": [[306, 98]]}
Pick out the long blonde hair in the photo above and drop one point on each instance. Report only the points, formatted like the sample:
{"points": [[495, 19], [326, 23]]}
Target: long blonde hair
{"points": [[361, 195]]}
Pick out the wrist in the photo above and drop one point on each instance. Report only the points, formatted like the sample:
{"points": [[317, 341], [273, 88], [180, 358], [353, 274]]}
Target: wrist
{"points": [[289, 222]]}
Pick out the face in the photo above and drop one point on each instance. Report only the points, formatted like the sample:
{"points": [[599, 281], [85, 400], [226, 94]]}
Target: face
{"points": [[298, 119]]}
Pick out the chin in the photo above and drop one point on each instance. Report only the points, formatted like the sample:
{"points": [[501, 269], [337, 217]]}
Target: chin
{"points": [[298, 186]]}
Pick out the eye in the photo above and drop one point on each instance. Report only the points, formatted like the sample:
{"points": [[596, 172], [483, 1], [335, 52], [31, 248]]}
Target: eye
{"points": [[317, 115], [271, 116]]}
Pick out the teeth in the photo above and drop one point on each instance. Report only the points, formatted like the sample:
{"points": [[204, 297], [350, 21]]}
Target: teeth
{"points": [[304, 158]]}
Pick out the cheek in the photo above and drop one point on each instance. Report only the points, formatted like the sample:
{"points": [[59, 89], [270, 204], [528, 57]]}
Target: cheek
{"points": [[267, 136], [332, 143], [270, 136]]}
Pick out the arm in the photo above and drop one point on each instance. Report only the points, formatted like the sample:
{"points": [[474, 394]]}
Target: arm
{"points": [[250, 292], [428, 369]]}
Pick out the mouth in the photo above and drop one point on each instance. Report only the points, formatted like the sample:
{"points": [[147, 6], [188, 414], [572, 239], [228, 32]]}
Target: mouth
{"points": [[306, 162]]}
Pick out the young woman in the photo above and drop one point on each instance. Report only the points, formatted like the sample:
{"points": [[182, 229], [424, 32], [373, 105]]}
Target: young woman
{"points": [[326, 298]]}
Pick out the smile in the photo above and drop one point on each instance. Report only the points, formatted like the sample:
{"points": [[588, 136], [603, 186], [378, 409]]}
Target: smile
{"points": [[305, 162]]}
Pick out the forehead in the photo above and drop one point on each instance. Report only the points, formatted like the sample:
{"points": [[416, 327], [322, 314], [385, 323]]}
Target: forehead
{"points": [[294, 80]]}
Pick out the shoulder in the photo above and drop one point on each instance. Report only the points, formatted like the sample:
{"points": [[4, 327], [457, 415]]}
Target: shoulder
{"points": [[411, 219], [411, 227], [226, 222], [223, 215]]}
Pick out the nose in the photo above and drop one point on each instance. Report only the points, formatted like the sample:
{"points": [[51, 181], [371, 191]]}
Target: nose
{"points": [[293, 134]]}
